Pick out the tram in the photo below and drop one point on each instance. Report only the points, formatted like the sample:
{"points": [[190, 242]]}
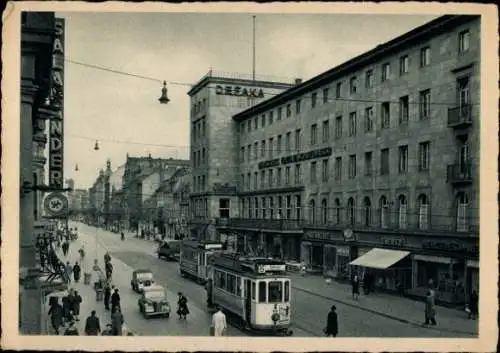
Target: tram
{"points": [[194, 258], [255, 293]]}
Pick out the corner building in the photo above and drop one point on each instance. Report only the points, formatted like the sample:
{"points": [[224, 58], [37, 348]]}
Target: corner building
{"points": [[380, 152]]}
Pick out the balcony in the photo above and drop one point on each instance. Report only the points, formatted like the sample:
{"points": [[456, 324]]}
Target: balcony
{"points": [[459, 117], [459, 174], [271, 224]]}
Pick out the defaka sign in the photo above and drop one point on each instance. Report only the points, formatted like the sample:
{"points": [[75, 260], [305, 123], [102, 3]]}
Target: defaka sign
{"points": [[239, 91], [56, 126]]}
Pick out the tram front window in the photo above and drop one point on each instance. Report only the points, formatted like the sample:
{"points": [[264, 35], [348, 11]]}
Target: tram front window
{"points": [[262, 292], [275, 292]]}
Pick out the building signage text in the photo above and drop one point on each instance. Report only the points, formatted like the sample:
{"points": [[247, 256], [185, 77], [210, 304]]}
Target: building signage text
{"points": [[315, 235], [393, 242], [271, 268], [450, 246], [239, 91], [322, 152]]}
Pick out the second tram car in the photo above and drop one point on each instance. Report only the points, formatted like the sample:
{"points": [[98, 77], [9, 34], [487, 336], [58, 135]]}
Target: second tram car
{"points": [[254, 292], [194, 258]]}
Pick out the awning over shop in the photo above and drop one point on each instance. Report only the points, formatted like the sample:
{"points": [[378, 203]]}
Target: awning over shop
{"points": [[380, 258], [473, 263], [430, 258]]}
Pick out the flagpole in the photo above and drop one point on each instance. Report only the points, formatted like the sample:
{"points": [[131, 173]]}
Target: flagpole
{"points": [[253, 59]]}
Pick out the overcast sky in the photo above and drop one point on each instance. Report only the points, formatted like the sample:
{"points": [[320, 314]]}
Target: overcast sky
{"points": [[123, 112]]}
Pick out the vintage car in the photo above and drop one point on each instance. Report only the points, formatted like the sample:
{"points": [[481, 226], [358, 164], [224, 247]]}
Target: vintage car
{"points": [[153, 302], [169, 249], [141, 279]]}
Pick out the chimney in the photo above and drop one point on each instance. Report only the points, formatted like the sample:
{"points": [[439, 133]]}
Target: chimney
{"points": [[298, 81]]}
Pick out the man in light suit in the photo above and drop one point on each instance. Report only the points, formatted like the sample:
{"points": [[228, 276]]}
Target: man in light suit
{"points": [[219, 322]]}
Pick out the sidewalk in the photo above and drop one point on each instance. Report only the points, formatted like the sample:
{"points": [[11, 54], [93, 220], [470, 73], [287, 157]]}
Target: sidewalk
{"points": [[397, 308]]}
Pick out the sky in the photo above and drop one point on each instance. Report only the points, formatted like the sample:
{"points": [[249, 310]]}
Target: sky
{"points": [[123, 112]]}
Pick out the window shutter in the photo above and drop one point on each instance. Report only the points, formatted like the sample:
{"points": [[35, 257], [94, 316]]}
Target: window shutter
{"points": [[423, 219]]}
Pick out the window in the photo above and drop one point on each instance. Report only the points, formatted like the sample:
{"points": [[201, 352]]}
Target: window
{"points": [[288, 146], [262, 179], [263, 120], [353, 84], [369, 119], [314, 97], [297, 106], [403, 159], [262, 292], [275, 292], [231, 283], [255, 177], [242, 127], [298, 207], [256, 123], [403, 110], [338, 211], [312, 211], [425, 104], [324, 211], [314, 134], [249, 175], [288, 110], [271, 208], [352, 166], [238, 286], [338, 91], [271, 147], [203, 156], [386, 72], [326, 131], [297, 140], [367, 212], [313, 172], [271, 118], [402, 212], [351, 211], [243, 153], [423, 212], [255, 150], [287, 176], [384, 161], [270, 178], [298, 174], [352, 124], [368, 163], [280, 113], [338, 127], [325, 95], [263, 204], [384, 212], [463, 41], [463, 94], [386, 115], [287, 291], [280, 207], [253, 290], [263, 148], [242, 179], [278, 145], [423, 156], [288, 207], [324, 170], [425, 56], [338, 168], [224, 208], [257, 210], [369, 79], [403, 64]]}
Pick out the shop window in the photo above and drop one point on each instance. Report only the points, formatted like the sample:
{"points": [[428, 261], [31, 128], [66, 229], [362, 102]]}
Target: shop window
{"points": [[351, 211], [367, 211], [324, 211], [402, 212], [312, 211], [384, 212], [338, 214], [262, 292], [423, 212], [462, 206], [275, 292]]}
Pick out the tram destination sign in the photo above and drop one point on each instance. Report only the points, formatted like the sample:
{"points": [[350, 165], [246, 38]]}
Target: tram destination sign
{"points": [[300, 157], [271, 268]]}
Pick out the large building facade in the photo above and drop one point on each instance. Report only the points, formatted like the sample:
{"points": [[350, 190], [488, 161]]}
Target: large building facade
{"points": [[379, 152]]}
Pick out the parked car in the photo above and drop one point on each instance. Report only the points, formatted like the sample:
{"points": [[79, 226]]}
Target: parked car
{"points": [[141, 279], [169, 249], [153, 302]]}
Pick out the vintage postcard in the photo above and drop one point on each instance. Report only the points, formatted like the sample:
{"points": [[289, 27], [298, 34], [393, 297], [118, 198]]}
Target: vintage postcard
{"points": [[249, 177]]}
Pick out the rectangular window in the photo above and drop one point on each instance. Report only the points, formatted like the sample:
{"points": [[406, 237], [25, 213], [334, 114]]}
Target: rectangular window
{"points": [[386, 72], [369, 79], [288, 206], [368, 163], [352, 166], [325, 95], [278, 146], [298, 175], [403, 65], [313, 99], [353, 83], [463, 41], [257, 209], [271, 178], [262, 179], [262, 292], [297, 106], [297, 140], [423, 156], [425, 56], [280, 113], [249, 175], [386, 115], [263, 148], [288, 143], [256, 123], [384, 161], [425, 104], [255, 177], [288, 110], [403, 110], [298, 206], [263, 120], [313, 172], [314, 134], [352, 124], [243, 154], [249, 153], [275, 292], [271, 118], [278, 177], [403, 159], [338, 90], [271, 147], [287, 176], [369, 119], [224, 208], [255, 150], [324, 171], [338, 127], [338, 168], [326, 131]]}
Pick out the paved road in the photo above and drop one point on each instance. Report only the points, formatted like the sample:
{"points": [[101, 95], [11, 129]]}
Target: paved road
{"points": [[309, 310]]}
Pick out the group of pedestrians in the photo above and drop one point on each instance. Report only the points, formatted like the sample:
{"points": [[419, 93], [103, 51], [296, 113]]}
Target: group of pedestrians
{"points": [[67, 313]]}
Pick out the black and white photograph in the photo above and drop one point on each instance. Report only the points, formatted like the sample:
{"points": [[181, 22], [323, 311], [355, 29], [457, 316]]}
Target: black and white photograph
{"points": [[258, 177]]}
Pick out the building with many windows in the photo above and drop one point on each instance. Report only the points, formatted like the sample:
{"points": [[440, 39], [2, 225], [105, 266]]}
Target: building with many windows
{"points": [[380, 152]]}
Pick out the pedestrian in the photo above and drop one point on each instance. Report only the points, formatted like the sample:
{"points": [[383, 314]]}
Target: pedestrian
{"points": [[77, 300], [332, 327], [56, 314], [65, 248], [107, 295], [115, 300], [107, 258], [109, 270], [355, 287], [81, 251], [69, 271], [77, 270], [71, 330], [430, 309], [182, 308], [117, 322], [92, 325], [66, 308], [473, 305], [366, 283], [219, 325]]}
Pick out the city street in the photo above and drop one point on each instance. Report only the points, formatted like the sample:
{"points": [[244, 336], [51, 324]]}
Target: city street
{"points": [[310, 306]]}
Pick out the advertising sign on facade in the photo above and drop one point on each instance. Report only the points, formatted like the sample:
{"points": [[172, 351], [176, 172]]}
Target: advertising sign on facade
{"points": [[239, 91], [56, 131]]}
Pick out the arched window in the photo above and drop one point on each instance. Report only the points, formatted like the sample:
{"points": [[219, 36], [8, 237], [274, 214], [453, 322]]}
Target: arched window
{"points": [[462, 206], [423, 212], [338, 214], [367, 211], [402, 211], [324, 211], [312, 211], [351, 211], [384, 212]]}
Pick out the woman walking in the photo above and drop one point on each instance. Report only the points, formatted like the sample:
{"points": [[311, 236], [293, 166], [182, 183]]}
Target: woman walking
{"points": [[182, 308], [76, 272]]}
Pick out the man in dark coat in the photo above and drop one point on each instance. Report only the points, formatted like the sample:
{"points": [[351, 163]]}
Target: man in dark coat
{"points": [[182, 308], [77, 300], [66, 308], [56, 314], [92, 325], [77, 270], [109, 270], [65, 248], [117, 322], [115, 300], [107, 295], [332, 327]]}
